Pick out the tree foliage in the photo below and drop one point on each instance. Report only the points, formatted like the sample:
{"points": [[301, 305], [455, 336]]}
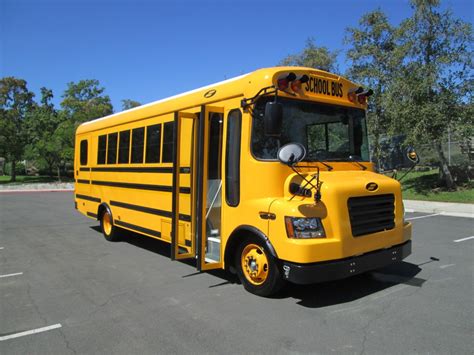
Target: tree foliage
{"points": [[15, 101], [127, 104], [313, 56], [430, 90], [373, 60], [85, 101], [82, 101], [44, 143]]}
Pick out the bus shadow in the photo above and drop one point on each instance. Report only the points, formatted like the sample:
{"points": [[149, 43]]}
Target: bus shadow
{"points": [[311, 296], [353, 288]]}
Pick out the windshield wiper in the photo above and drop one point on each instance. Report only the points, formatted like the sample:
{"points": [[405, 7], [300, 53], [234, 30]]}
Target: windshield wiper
{"points": [[352, 159], [319, 161]]}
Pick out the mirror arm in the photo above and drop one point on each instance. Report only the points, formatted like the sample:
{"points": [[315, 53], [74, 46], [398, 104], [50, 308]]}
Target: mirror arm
{"points": [[245, 103], [317, 194], [411, 168]]}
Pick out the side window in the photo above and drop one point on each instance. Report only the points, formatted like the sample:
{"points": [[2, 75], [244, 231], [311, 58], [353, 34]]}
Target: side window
{"points": [[168, 142], [138, 136], [112, 149], [84, 152], [153, 143], [101, 150], [124, 147], [232, 166]]}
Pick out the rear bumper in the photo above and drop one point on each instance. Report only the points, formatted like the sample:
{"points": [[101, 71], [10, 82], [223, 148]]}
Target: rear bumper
{"points": [[342, 268]]}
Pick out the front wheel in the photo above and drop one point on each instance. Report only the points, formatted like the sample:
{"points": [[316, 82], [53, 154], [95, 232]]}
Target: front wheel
{"points": [[257, 268], [110, 232]]}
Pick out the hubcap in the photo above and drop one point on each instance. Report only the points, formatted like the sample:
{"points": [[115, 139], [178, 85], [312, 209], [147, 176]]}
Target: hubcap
{"points": [[254, 264], [107, 223]]}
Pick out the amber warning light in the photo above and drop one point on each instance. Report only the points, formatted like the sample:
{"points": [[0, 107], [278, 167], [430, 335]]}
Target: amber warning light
{"points": [[292, 81], [359, 95]]}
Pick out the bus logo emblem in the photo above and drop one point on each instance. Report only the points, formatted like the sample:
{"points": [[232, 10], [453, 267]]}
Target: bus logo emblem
{"points": [[210, 93], [371, 186]]}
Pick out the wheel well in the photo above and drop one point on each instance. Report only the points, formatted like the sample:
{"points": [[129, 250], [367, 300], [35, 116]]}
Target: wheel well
{"points": [[238, 236], [102, 208]]}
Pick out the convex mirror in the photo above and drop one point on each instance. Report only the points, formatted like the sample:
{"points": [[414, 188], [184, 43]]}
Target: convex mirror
{"points": [[412, 155], [291, 153]]}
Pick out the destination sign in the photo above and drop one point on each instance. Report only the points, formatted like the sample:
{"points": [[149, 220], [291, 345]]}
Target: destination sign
{"points": [[324, 87]]}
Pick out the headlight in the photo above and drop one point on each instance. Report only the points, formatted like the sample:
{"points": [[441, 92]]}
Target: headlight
{"points": [[304, 228]]}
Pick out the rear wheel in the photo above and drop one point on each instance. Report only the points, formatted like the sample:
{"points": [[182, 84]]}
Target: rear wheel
{"points": [[110, 232], [257, 268]]}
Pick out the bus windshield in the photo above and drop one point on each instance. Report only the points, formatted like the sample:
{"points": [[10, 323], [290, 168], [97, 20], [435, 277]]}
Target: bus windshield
{"points": [[328, 132]]}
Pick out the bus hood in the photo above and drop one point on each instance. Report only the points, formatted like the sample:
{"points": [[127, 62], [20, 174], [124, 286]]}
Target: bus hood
{"points": [[346, 183]]}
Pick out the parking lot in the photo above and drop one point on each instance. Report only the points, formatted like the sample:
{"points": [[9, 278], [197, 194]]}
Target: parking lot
{"points": [[64, 289]]}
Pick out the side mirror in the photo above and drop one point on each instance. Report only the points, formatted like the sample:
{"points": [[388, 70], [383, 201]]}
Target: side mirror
{"points": [[412, 156], [291, 154], [273, 119]]}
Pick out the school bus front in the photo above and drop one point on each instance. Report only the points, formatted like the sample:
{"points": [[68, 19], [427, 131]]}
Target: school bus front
{"points": [[327, 214]]}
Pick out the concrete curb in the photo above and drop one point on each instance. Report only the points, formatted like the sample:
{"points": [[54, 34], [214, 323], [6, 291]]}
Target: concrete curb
{"points": [[34, 190], [442, 208]]}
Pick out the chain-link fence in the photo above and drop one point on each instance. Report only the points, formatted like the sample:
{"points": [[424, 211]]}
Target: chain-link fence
{"points": [[393, 154]]}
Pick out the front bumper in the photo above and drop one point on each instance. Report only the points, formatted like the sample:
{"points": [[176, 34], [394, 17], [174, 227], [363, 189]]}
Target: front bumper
{"points": [[342, 268]]}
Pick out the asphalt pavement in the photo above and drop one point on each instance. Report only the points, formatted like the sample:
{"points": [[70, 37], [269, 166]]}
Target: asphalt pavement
{"points": [[64, 289]]}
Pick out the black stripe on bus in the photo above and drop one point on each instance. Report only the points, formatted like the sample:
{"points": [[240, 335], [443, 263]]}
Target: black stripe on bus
{"points": [[153, 211], [146, 169], [79, 181], [88, 198], [138, 228], [183, 190], [93, 215]]}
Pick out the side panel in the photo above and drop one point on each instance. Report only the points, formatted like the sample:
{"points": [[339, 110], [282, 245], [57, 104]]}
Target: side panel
{"points": [[83, 154]]}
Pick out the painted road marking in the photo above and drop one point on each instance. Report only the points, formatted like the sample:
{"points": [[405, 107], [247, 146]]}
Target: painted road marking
{"points": [[1, 248], [445, 266], [29, 332], [429, 215], [8, 275], [462, 239], [383, 294]]}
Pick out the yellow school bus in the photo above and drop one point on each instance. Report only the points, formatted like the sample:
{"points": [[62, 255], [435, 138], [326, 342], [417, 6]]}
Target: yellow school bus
{"points": [[266, 175]]}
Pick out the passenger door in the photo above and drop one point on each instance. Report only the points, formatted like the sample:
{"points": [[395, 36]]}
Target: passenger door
{"points": [[198, 140]]}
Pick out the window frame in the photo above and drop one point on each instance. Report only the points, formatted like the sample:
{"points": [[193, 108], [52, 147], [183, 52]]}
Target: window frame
{"points": [[233, 157]]}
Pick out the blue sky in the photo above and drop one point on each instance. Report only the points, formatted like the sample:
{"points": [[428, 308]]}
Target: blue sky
{"points": [[146, 50]]}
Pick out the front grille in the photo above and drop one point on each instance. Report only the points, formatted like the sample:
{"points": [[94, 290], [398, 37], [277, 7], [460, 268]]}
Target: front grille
{"points": [[371, 214]]}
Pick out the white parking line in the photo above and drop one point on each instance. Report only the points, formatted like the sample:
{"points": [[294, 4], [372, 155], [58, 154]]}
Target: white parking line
{"points": [[29, 332], [445, 266], [1, 248], [8, 275], [429, 215], [462, 239]]}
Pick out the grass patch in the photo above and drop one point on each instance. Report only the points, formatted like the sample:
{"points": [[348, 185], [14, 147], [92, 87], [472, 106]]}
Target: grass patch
{"points": [[425, 186], [25, 179]]}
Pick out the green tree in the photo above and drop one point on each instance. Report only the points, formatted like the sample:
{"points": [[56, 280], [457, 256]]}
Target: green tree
{"points": [[85, 100], [428, 91], [127, 104], [44, 143], [82, 101], [313, 56], [373, 59], [15, 102]]}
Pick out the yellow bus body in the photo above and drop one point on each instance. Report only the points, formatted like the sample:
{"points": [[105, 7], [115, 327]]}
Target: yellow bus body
{"points": [[140, 196]]}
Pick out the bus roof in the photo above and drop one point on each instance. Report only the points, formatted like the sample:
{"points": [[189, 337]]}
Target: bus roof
{"points": [[225, 89]]}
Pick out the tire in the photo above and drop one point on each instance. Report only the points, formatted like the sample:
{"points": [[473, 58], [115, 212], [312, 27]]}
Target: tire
{"points": [[111, 232], [257, 268]]}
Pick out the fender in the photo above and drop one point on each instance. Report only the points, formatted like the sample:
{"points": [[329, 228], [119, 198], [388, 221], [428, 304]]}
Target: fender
{"points": [[246, 229], [104, 206]]}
